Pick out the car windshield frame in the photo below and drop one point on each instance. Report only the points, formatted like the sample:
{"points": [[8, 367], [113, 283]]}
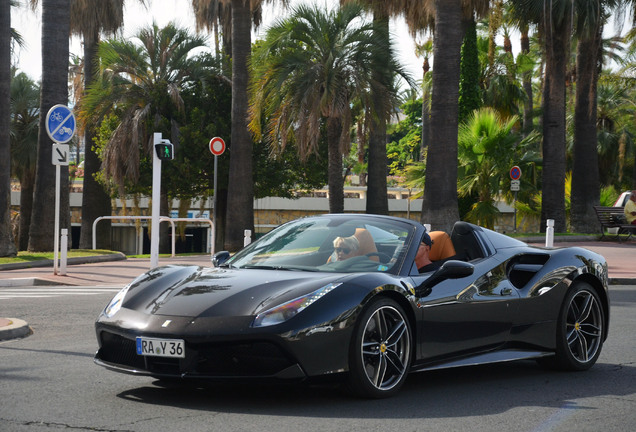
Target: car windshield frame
{"points": [[307, 244]]}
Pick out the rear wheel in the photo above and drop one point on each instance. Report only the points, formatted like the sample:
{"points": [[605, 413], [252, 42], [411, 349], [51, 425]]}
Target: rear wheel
{"points": [[380, 352], [580, 330]]}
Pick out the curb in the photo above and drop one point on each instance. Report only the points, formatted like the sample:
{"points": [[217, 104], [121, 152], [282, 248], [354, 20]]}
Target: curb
{"points": [[13, 328], [622, 281], [70, 261], [21, 282]]}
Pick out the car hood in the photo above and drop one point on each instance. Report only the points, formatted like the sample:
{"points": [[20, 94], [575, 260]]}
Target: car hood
{"points": [[207, 292]]}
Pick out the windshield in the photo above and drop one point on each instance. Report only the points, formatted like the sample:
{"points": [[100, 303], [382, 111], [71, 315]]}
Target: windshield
{"points": [[330, 244]]}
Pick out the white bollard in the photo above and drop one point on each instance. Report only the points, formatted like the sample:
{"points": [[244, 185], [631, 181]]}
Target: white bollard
{"points": [[549, 233], [63, 252], [248, 237]]}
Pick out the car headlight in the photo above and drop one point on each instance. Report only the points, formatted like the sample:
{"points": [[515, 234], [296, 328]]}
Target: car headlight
{"points": [[290, 309], [116, 302]]}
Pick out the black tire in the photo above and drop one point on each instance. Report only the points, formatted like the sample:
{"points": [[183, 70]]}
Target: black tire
{"points": [[380, 351], [580, 330]]}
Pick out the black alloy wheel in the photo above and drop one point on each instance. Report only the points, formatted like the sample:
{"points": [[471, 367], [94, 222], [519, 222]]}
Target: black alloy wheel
{"points": [[380, 353], [580, 330]]}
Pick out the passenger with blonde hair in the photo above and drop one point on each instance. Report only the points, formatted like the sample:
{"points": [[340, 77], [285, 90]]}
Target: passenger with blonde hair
{"points": [[345, 247]]}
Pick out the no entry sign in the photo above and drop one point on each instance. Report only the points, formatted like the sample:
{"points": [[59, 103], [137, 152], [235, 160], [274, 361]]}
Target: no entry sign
{"points": [[217, 146]]}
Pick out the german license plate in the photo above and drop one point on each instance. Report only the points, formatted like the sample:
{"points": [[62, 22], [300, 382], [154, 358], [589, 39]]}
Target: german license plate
{"points": [[161, 347]]}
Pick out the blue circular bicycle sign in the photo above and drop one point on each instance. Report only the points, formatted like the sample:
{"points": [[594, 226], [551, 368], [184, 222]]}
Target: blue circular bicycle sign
{"points": [[60, 124]]}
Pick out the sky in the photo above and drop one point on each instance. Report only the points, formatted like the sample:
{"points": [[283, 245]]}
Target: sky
{"points": [[29, 25]]}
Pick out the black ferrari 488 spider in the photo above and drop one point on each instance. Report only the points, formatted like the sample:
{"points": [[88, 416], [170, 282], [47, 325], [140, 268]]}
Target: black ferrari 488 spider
{"points": [[341, 296]]}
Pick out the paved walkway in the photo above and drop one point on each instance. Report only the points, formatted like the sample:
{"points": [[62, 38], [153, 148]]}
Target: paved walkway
{"points": [[94, 271]]}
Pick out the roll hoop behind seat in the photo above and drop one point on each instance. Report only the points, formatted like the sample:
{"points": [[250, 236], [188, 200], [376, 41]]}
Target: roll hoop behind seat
{"points": [[465, 242]]}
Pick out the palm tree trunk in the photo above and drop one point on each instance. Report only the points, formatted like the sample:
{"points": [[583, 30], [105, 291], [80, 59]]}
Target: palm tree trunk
{"points": [[54, 90], [336, 182], [7, 245], [377, 199], [527, 85], [240, 200], [557, 50], [26, 209], [95, 200], [439, 206], [586, 182], [426, 124]]}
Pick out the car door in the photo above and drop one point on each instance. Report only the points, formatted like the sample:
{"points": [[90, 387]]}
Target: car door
{"points": [[471, 314]]}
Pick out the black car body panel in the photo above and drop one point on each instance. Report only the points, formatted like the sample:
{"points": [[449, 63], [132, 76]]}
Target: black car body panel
{"points": [[506, 309]]}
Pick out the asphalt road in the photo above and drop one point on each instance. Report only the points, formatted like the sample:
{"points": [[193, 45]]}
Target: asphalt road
{"points": [[48, 382]]}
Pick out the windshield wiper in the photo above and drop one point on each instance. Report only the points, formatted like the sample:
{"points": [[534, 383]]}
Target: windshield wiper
{"points": [[264, 267], [287, 268]]}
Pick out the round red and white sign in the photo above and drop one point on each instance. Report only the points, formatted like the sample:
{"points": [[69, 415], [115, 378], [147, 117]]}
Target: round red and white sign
{"points": [[515, 173], [217, 146]]}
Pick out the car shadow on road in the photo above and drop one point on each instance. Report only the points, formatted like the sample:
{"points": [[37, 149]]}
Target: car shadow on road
{"points": [[470, 391]]}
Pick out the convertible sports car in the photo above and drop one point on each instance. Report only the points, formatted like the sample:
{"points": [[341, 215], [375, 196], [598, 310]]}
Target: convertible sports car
{"points": [[290, 307]]}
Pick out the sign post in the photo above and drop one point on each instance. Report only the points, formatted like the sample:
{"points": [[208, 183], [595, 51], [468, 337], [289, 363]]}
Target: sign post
{"points": [[163, 150], [515, 183], [217, 147], [60, 126]]}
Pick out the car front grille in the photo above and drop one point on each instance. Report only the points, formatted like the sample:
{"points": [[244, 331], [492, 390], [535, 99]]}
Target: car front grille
{"points": [[241, 359], [220, 360], [121, 351]]}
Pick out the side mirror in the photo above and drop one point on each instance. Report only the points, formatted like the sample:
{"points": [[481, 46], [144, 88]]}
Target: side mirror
{"points": [[220, 257], [449, 270]]}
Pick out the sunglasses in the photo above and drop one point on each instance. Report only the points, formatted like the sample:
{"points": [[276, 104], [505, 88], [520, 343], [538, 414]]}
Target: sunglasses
{"points": [[345, 251]]}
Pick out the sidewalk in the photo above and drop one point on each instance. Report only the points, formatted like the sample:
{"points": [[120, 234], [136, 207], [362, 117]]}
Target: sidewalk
{"points": [[103, 270], [117, 271]]}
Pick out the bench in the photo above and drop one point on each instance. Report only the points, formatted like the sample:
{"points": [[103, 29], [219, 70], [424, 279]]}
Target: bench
{"points": [[613, 217]]}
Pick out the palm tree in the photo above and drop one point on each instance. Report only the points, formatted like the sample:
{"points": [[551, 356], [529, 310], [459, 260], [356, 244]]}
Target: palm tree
{"points": [[240, 196], [487, 148], [215, 15], [25, 100], [377, 199], [616, 131], [439, 204], [141, 81], [89, 18], [554, 21], [425, 50], [311, 67], [54, 90], [7, 245], [585, 170]]}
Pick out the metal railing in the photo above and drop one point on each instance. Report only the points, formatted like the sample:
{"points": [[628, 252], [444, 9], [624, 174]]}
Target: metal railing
{"points": [[161, 219]]}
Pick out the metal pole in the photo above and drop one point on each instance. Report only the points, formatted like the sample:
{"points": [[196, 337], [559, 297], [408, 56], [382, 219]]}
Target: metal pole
{"points": [[156, 199], [56, 240], [216, 164], [64, 246], [514, 204], [549, 233]]}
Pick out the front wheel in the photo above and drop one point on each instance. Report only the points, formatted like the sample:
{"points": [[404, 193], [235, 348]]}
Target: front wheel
{"points": [[580, 329], [380, 352]]}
